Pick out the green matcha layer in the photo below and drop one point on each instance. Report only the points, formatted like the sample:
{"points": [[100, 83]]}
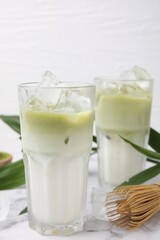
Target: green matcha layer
{"points": [[123, 112], [56, 123]]}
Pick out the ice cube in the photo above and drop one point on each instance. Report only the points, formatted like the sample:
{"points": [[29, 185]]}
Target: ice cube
{"points": [[138, 86], [46, 95], [72, 101], [35, 103], [135, 73], [48, 80], [49, 97]]}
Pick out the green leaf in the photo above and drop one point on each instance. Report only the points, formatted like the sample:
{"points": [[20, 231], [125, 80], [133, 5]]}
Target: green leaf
{"points": [[12, 121], [143, 176], [148, 153], [94, 149], [154, 140], [152, 160], [12, 175], [25, 210], [94, 139]]}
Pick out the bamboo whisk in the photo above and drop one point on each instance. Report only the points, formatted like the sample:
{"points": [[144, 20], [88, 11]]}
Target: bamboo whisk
{"points": [[131, 206]]}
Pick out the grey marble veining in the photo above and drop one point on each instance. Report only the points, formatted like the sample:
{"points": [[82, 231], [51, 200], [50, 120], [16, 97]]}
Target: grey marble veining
{"points": [[11, 222], [17, 202]]}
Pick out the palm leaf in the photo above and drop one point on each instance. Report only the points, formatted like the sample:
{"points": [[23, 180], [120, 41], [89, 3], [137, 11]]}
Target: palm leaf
{"points": [[12, 175], [143, 176], [94, 139], [12, 121], [154, 140], [148, 153], [25, 210]]}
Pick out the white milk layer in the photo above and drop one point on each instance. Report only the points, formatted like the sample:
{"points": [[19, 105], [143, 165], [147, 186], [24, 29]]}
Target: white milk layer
{"points": [[120, 161]]}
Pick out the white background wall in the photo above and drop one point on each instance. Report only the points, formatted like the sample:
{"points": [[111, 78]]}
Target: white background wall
{"points": [[77, 40]]}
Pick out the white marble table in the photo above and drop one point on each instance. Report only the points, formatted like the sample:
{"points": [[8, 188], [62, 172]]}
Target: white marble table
{"points": [[15, 227]]}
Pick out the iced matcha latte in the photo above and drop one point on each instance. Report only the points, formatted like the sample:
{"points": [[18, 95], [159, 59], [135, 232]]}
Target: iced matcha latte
{"points": [[56, 126], [122, 110]]}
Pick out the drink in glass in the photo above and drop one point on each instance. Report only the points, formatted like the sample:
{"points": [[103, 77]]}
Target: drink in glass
{"points": [[123, 109], [56, 128]]}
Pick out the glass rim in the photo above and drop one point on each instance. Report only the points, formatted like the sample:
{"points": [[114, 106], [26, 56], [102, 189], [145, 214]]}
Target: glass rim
{"points": [[115, 79], [74, 85]]}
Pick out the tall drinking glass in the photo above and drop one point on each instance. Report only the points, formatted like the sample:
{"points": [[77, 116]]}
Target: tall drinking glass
{"points": [[123, 109], [56, 128]]}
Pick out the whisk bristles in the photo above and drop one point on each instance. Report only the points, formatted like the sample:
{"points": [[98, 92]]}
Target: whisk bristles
{"points": [[131, 206]]}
